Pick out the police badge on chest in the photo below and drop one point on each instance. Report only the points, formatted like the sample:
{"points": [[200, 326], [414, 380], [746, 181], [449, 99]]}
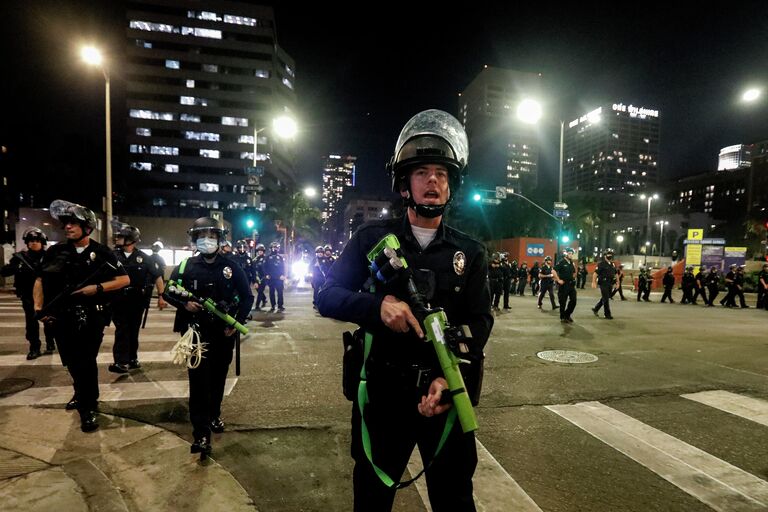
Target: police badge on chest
{"points": [[227, 273]]}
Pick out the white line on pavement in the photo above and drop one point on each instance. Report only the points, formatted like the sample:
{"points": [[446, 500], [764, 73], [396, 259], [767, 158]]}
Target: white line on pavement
{"points": [[743, 406], [164, 389], [494, 489], [715, 482], [103, 358]]}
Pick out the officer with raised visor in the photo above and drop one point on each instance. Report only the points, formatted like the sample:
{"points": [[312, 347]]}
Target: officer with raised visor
{"points": [[405, 382]]}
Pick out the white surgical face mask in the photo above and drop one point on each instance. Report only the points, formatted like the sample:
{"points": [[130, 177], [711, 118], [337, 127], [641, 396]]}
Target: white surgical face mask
{"points": [[207, 245]]}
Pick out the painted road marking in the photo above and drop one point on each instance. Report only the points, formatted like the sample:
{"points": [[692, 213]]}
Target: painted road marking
{"points": [[745, 407], [103, 358], [160, 390], [715, 482]]}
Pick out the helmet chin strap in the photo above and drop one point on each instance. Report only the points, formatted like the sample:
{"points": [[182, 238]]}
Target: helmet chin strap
{"points": [[428, 211]]}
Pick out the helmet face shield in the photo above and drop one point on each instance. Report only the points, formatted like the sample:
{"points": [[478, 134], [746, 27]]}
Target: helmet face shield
{"points": [[66, 212], [430, 137]]}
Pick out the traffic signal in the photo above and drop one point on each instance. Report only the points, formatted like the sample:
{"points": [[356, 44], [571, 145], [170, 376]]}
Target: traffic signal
{"points": [[476, 197], [249, 223], [564, 238]]}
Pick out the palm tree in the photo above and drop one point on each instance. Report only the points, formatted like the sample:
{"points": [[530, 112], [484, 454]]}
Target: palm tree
{"points": [[297, 219]]}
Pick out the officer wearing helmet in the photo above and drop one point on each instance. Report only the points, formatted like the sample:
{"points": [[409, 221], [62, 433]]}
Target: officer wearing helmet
{"points": [[243, 259], [76, 283], [687, 284], [738, 285], [699, 286], [729, 301], [546, 276], [209, 275], [329, 257], [274, 274], [157, 246], [712, 282], [319, 270], [668, 281], [565, 276], [605, 277], [226, 247], [258, 269], [405, 382], [644, 282], [133, 300], [496, 280], [25, 266]]}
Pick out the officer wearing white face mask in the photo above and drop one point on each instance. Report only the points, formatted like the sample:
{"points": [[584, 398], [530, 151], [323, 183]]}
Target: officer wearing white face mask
{"points": [[212, 275]]}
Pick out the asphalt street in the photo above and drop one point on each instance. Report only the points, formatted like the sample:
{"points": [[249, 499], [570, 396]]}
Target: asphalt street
{"points": [[671, 416]]}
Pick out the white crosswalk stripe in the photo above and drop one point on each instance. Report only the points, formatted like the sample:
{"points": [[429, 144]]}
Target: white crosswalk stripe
{"points": [[159, 390], [103, 358], [745, 407], [715, 482]]}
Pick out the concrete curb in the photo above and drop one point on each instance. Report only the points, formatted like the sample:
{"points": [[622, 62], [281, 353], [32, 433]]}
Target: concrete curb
{"points": [[47, 463]]}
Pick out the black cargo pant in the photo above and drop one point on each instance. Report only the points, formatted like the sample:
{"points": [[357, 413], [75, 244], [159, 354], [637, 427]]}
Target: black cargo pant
{"points": [[566, 295], [33, 327], [713, 292], [128, 313], [79, 333], [699, 291], [605, 299], [207, 381], [395, 427], [275, 287], [546, 287]]}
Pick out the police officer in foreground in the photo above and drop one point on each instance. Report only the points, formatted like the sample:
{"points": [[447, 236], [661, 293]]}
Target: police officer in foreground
{"points": [[405, 383], [605, 277], [668, 282], [729, 301], [132, 301], [72, 293], [644, 281], [565, 276], [712, 282], [274, 273], [688, 284], [209, 275], [699, 288], [25, 266]]}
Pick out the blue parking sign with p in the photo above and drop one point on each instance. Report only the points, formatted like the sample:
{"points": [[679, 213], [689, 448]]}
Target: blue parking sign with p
{"points": [[534, 250]]}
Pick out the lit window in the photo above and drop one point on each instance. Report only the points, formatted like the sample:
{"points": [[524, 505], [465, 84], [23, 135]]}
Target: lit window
{"points": [[138, 148], [149, 114], [245, 139], [143, 44], [202, 136], [207, 15], [141, 166], [287, 83], [201, 32], [240, 20], [164, 150], [246, 156], [172, 64], [174, 168], [187, 100], [151, 27], [190, 84], [209, 153], [210, 68], [159, 201], [209, 187], [260, 73], [234, 121], [190, 118], [144, 132]]}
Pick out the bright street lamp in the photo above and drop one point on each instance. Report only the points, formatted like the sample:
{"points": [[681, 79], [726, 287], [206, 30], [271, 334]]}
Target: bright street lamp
{"points": [[751, 95], [310, 192], [284, 127], [93, 57], [648, 220], [529, 111]]}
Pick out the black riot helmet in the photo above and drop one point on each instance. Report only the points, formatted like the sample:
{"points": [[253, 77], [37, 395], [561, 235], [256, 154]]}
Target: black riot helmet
{"points": [[429, 137], [274, 247], [206, 223], [130, 234], [66, 212], [34, 234], [319, 249], [260, 247]]}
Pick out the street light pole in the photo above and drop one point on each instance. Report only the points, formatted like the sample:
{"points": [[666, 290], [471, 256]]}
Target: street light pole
{"points": [[560, 181], [93, 57]]}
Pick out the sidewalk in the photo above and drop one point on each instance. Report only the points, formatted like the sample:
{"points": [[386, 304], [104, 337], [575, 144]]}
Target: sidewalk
{"points": [[47, 463]]}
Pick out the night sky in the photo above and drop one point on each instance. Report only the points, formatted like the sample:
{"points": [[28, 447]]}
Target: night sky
{"points": [[362, 72]]}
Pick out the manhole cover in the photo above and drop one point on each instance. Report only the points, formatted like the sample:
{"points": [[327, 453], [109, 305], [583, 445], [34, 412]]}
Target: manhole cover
{"points": [[14, 385], [567, 356]]}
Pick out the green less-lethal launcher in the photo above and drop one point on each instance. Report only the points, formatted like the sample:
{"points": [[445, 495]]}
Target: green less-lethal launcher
{"points": [[386, 257], [210, 306]]}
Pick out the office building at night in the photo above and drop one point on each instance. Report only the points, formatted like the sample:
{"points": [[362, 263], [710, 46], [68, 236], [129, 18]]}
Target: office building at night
{"points": [[338, 178], [203, 88], [610, 154], [504, 151], [737, 156]]}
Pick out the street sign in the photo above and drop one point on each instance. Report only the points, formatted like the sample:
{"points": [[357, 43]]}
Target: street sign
{"points": [[251, 188], [256, 170], [560, 206], [491, 201], [561, 213], [501, 192]]}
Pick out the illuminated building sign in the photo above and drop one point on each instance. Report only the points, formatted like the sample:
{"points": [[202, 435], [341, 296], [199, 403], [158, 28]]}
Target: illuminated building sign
{"points": [[634, 111], [592, 117]]}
